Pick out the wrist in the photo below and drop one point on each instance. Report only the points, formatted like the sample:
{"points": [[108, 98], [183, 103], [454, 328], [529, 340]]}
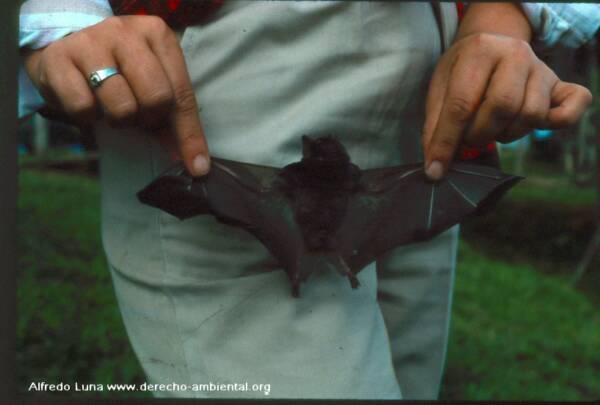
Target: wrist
{"points": [[495, 18]]}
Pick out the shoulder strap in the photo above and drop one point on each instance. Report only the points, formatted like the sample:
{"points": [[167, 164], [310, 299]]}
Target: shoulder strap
{"points": [[447, 21]]}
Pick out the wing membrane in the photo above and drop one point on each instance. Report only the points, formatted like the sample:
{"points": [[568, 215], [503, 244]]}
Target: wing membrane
{"points": [[402, 206]]}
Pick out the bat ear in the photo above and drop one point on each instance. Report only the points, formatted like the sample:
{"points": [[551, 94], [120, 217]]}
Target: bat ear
{"points": [[307, 143]]}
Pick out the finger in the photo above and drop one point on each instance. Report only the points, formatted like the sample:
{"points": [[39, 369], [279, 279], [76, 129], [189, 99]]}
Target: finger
{"points": [[516, 130], [185, 120], [502, 102], [535, 107], [569, 101], [148, 81], [54, 114], [114, 94], [64, 89], [51, 99], [467, 84], [435, 99], [74, 94]]}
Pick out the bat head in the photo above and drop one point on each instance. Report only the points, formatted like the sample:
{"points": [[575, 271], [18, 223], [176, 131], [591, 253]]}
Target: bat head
{"points": [[324, 150]]}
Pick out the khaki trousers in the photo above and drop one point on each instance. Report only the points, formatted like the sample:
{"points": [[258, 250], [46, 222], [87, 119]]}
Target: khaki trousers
{"points": [[204, 303]]}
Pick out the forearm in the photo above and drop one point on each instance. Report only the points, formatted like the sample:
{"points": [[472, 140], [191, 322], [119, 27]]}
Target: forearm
{"points": [[495, 18]]}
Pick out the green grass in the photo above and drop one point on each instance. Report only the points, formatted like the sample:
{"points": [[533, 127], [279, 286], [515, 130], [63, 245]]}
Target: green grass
{"points": [[69, 328], [517, 332], [547, 184], [558, 192]]}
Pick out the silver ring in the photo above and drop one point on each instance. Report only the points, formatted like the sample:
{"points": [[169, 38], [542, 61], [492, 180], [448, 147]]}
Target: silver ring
{"points": [[97, 77]]}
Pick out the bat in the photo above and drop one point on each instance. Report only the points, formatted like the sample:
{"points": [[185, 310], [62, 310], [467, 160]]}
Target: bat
{"points": [[324, 211]]}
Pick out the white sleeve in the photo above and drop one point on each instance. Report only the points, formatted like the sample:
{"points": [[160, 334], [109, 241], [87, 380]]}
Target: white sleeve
{"points": [[42, 22], [568, 24]]}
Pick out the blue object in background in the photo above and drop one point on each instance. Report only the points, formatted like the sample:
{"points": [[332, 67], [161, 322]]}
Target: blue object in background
{"points": [[536, 135], [76, 149], [22, 149], [542, 134]]}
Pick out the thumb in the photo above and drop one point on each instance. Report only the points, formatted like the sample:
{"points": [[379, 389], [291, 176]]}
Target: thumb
{"points": [[569, 101]]}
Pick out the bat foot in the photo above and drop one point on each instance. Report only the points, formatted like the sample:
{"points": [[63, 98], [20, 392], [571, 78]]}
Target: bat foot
{"points": [[354, 283], [295, 282], [345, 271], [296, 291]]}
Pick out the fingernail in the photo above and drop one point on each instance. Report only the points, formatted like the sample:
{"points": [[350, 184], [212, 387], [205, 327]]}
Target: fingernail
{"points": [[200, 165], [435, 171]]}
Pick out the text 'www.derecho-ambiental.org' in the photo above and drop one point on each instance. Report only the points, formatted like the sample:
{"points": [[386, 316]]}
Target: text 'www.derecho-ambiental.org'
{"points": [[205, 387]]}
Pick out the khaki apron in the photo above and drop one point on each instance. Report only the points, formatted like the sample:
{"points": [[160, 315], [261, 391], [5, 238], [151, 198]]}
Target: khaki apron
{"points": [[204, 303]]}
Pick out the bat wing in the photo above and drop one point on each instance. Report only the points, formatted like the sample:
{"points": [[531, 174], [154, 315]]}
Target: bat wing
{"points": [[238, 194], [178, 193], [175, 192], [399, 205]]}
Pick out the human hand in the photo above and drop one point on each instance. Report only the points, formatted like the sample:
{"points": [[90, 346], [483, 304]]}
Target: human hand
{"points": [[153, 89], [492, 87]]}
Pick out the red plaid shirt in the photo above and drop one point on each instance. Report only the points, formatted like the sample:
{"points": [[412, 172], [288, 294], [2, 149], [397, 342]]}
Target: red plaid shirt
{"points": [[176, 13]]}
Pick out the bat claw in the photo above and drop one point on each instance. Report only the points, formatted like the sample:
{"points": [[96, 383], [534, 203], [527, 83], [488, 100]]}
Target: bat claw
{"points": [[344, 270], [295, 280], [295, 291]]}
